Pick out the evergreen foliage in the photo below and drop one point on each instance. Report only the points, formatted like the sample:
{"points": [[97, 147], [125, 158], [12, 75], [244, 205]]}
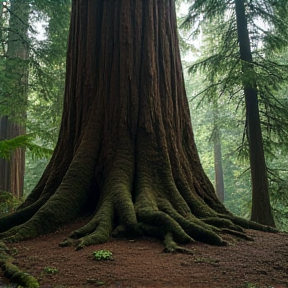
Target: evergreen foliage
{"points": [[23, 141], [221, 62], [47, 43], [46, 81], [46, 66], [268, 31]]}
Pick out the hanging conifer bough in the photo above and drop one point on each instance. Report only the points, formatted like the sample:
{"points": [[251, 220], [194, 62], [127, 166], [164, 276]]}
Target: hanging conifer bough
{"points": [[126, 150]]}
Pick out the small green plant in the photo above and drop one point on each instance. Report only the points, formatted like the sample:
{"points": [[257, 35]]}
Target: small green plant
{"points": [[103, 255], [250, 285], [8, 202], [50, 270]]}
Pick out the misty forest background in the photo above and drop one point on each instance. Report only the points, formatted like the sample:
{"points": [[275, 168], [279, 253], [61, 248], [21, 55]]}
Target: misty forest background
{"points": [[33, 44]]}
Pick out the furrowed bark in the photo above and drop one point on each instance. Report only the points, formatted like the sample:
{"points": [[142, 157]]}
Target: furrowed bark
{"points": [[126, 148]]}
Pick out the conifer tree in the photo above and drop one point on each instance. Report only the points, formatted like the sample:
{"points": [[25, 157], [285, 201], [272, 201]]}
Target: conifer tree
{"points": [[238, 67]]}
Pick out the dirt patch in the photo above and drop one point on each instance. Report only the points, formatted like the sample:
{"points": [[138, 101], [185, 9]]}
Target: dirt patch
{"points": [[141, 263]]}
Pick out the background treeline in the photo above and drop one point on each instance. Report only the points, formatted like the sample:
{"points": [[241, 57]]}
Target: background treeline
{"points": [[219, 83], [33, 41]]}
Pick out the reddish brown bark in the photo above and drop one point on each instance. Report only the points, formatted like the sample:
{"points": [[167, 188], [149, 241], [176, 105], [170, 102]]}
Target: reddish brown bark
{"points": [[126, 146], [12, 171], [15, 98]]}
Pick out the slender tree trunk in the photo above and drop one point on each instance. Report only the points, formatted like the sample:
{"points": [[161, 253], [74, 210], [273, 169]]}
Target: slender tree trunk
{"points": [[219, 179], [4, 164], [15, 94], [4, 169], [261, 209]]}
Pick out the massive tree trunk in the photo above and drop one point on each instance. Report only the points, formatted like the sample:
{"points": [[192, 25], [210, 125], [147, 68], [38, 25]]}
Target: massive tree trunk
{"points": [[261, 208], [15, 97], [126, 150]]}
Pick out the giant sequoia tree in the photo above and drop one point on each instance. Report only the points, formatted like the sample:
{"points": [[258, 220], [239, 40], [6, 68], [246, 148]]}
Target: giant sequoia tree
{"points": [[126, 151]]}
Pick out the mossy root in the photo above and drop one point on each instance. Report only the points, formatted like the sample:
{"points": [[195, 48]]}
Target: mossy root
{"points": [[12, 272]]}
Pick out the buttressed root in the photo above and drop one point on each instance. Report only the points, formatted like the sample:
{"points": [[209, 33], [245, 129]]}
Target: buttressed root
{"points": [[126, 149]]}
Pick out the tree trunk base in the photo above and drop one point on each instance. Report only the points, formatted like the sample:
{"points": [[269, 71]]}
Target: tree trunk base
{"points": [[126, 147], [174, 214]]}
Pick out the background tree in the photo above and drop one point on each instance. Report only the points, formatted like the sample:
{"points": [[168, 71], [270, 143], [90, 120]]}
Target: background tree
{"points": [[46, 64], [14, 94], [227, 62], [126, 150], [46, 82], [216, 138], [261, 209]]}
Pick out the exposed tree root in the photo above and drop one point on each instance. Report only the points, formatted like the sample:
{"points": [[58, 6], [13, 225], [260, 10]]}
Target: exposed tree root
{"points": [[240, 235], [126, 148], [172, 247], [21, 216], [158, 210], [12, 272], [247, 224]]}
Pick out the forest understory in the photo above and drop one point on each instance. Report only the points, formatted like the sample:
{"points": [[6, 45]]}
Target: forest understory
{"points": [[142, 263]]}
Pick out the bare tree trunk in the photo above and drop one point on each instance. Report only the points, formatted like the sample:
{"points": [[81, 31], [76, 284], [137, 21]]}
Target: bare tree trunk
{"points": [[261, 208], [219, 179], [4, 165]]}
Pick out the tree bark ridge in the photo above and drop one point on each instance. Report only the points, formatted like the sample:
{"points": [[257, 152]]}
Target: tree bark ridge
{"points": [[126, 125]]}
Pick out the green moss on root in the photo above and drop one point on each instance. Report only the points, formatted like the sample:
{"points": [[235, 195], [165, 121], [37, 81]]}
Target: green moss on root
{"points": [[12, 272]]}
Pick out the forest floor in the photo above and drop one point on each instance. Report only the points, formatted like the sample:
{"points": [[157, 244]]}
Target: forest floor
{"points": [[142, 263]]}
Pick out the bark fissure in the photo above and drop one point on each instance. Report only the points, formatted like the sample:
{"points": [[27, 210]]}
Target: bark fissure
{"points": [[126, 126]]}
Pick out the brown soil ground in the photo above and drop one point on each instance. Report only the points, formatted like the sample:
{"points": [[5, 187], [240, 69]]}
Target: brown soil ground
{"points": [[141, 263]]}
